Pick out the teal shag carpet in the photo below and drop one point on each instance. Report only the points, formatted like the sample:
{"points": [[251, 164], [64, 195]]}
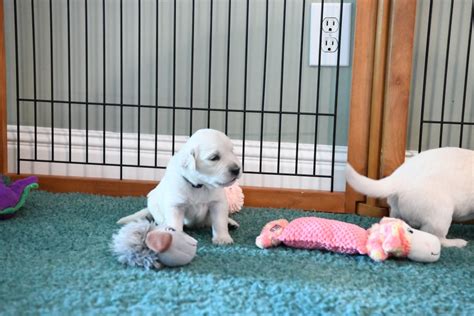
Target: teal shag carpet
{"points": [[55, 259]]}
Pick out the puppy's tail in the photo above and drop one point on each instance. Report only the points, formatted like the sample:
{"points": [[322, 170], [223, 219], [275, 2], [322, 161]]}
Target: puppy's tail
{"points": [[373, 188], [134, 217]]}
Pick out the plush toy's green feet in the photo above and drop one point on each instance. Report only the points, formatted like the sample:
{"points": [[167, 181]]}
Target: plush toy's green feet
{"points": [[24, 195]]}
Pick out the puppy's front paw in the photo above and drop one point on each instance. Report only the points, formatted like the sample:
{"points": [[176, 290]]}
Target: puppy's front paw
{"points": [[222, 240]]}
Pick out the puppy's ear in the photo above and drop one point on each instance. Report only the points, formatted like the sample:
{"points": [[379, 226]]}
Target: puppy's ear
{"points": [[158, 241], [189, 161]]}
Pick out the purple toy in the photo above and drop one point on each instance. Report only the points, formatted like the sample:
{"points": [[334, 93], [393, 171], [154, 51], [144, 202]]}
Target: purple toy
{"points": [[13, 196]]}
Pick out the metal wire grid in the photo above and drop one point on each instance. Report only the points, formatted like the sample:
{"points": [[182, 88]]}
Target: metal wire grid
{"points": [[442, 122], [121, 105]]}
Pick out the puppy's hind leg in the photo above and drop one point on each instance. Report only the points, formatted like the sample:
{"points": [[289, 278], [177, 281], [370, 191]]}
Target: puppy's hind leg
{"points": [[431, 211], [458, 243], [439, 226], [394, 210]]}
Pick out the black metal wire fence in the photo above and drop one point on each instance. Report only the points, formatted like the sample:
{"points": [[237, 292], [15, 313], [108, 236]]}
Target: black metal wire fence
{"points": [[446, 108], [99, 105]]}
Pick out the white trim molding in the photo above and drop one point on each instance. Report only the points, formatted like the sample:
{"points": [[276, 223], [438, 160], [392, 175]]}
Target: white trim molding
{"points": [[163, 153]]}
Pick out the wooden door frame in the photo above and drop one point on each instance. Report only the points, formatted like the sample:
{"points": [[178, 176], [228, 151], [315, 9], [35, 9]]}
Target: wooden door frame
{"points": [[368, 57]]}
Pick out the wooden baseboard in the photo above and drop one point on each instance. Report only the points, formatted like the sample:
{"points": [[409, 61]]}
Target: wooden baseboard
{"points": [[372, 211], [254, 196], [295, 199], [112, 187]]}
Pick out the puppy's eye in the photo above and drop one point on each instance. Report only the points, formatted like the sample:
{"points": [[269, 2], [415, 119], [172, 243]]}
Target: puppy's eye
{"points": [[170, 229], [214, 158], [410, 230]]}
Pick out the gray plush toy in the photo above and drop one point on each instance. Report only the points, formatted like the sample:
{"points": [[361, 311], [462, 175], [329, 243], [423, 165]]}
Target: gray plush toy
{"points": [[144, 244]]}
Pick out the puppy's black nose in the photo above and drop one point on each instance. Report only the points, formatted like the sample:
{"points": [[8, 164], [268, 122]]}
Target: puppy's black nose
{"points": [[234, 170]]}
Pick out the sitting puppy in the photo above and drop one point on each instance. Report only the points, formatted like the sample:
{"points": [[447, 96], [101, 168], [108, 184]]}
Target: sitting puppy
{"points": [[428, 191], [191, 192]]}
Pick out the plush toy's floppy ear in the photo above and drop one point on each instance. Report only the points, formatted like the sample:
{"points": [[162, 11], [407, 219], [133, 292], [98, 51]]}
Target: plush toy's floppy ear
{"points": [[158, 241], [393, 242], [375, 240], [396, 242], [388, 238]]}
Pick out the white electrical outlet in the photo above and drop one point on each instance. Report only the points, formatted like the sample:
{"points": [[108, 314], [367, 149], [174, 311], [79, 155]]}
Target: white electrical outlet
{"points": [[330, 43]]}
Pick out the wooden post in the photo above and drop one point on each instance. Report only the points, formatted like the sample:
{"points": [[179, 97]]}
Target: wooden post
{"points": [[376, 109], [3, 100], [362, 75], [399, 69]]}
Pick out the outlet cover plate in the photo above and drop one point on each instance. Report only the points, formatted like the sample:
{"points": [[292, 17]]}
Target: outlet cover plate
{"points": [[331, 12]]}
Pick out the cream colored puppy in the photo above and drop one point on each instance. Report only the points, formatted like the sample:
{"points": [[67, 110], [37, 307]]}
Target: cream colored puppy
{"points": [[428, 191], [191, 192]]}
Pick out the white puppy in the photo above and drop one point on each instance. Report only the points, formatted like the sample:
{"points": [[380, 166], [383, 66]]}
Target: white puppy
{"points": [[191, 192], [428, 191]]}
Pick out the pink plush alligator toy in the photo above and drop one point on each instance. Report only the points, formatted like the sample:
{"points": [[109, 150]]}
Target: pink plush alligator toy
{"points": [[390, 237]]}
